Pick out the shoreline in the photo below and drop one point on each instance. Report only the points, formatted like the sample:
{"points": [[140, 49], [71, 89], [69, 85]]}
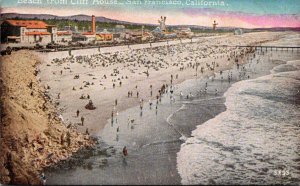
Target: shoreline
{"points": [[174, 178], [108, 94], [122, 121], [54, 133], [32, 135], [201, 136], [210, 134]]}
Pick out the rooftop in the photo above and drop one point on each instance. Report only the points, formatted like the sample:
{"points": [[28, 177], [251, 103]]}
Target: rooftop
{"points": [[64, 33], [88, 33], [37, 33], [28, 23]]}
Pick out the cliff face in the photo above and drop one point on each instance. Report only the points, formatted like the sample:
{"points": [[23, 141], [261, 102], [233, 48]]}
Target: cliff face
{"points": [[32, 135]]}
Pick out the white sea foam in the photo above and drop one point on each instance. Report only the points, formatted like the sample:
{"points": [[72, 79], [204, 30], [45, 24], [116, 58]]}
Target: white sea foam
{"points": [[256, 136]]}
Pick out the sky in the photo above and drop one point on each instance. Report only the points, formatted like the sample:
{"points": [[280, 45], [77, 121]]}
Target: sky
{"points": [[227, 13]]}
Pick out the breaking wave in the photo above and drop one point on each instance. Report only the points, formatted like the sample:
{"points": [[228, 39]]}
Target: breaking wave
{"points": [[258, 134]]}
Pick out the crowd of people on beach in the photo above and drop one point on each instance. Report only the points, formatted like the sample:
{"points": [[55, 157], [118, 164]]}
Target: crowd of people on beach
{"points": [[145, 63]]}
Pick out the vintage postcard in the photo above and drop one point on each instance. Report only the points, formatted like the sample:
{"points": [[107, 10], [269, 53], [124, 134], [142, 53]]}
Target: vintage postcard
{"points": [[150, 92]]}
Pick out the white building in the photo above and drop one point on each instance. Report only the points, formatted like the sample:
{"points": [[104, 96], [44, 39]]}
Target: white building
{"points": [[90, 36], [64, 36], [28, 31], [185, 32]]}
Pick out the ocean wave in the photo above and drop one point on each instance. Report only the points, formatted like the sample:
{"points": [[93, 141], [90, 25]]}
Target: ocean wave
{"points": [[289, 66], [183, 137], [257, 135]]}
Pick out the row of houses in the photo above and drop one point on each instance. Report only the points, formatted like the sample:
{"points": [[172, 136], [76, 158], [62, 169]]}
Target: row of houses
{"points": [[34, 31]]}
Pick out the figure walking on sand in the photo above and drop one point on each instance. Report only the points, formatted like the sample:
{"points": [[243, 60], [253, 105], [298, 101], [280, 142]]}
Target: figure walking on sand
{"points": [[117, 117], [82, 120], [125, 153], [68, 139], [150, 104]]}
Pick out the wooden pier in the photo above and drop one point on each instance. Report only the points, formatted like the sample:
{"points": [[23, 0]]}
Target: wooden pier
{"points": [[264, 48]]}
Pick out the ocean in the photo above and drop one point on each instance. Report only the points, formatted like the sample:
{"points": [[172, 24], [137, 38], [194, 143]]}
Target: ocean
{"points": [[255, 141]]}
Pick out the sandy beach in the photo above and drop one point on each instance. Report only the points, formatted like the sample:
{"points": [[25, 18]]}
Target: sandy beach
{"points": [[111, 93], [154, 138], [149, 92], [106, 76]]}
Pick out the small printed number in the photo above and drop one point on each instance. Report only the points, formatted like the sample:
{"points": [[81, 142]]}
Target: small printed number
{"points": [[281, 173]]}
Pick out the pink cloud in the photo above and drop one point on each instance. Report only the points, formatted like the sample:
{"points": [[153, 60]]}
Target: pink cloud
{"points": [[273, 20], [251, 20]]}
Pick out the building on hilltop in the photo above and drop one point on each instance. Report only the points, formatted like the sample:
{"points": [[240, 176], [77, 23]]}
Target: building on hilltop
{"points": [[28, 31]]}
